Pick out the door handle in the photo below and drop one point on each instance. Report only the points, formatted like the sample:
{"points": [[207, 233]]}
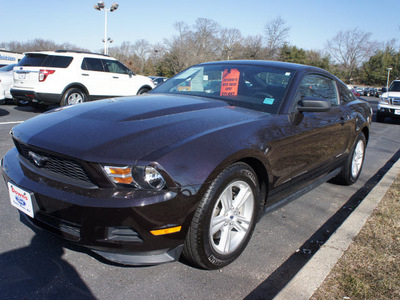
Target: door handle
{"points": [[84, 74], [115, 77]]}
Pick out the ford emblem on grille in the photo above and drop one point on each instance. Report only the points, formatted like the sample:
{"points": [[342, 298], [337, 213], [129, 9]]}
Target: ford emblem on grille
{"points": [[39, 161]]}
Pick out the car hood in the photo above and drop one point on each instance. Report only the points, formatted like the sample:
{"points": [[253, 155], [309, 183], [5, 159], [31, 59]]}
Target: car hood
{"points": [[391, 94], [124, 130]]}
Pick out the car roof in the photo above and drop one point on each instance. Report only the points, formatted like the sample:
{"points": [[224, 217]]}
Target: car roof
{"points": [[71, 52], [265, 63]]}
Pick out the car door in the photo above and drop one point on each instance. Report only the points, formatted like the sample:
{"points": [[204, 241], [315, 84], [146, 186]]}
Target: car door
{"points": [[321, 138], [122, 82], [95, 78]]}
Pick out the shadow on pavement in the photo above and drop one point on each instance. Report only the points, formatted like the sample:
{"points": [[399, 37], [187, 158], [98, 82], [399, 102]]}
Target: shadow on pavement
{"points": [[38, 271], [282, 275], [3, 112]]}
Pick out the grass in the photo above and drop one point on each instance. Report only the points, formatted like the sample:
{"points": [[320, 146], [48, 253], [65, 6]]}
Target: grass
{"points": [[370, 268]]}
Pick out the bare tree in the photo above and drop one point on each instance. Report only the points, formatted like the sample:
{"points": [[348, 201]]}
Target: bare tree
{"points": [[350, 48], [142, 50], [276, 32], [229, 43], [252, 47], [38, 45]]}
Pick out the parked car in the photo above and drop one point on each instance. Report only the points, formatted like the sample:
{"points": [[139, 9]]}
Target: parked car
{"points": [[157, 80], [355, 93], [71, 77], [6, 80], [369, 91], [360, 90], [389, 102], [142, 180]]}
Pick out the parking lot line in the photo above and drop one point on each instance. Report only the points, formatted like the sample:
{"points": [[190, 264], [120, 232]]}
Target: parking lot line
{"points": [[13, 122]]}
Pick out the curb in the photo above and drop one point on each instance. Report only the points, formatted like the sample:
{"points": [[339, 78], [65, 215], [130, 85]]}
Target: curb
{"points": [[312, 275]]}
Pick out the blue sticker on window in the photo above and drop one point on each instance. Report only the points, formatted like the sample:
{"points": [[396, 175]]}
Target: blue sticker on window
{"points": [[269, 101]]}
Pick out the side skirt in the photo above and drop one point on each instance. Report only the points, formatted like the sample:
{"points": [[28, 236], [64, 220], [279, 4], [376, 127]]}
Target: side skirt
{"points": [[304, 190]]}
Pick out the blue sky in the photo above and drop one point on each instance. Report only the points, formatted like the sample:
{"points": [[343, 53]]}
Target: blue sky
{"points": [[312, 22]]}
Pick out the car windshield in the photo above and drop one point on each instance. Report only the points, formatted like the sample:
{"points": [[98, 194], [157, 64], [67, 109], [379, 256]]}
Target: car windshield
{"points": [[395, 86], [255, 87]]}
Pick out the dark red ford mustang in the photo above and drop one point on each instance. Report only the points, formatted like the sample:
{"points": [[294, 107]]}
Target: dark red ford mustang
{"points": [[188, 168]]}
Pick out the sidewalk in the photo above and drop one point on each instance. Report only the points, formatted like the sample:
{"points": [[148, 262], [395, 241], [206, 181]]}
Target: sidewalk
{"points": [[312, 275]]}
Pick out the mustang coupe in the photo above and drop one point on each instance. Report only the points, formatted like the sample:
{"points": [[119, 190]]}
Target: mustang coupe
{"points": [[190, 167]]}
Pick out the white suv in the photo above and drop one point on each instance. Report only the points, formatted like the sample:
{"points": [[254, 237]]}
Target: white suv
{"points": [[389, 102], [71, 77]]}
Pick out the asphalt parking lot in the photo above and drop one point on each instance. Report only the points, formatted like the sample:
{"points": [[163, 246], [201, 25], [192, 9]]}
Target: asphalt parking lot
{"points": [[36, 265]]}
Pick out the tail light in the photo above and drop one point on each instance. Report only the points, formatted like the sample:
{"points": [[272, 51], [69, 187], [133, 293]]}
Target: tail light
{"points": [[44, 73]]}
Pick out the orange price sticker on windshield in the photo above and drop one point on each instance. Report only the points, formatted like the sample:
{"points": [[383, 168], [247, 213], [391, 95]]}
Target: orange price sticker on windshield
{"points": [[230, 82]]}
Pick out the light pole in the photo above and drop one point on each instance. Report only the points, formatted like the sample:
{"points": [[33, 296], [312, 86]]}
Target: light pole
{"points": [[101, 6], [387, 82]]}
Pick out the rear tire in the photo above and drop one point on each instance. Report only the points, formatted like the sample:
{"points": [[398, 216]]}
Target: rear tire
{"points": [[354, 163], [225, 219], [73, 96]]}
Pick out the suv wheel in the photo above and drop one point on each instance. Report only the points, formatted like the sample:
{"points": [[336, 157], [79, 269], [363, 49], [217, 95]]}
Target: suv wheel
{"points": [[143, 90], [73, 96]]}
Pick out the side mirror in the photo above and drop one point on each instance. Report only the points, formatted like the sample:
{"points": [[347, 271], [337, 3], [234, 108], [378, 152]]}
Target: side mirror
{"points": [[310, 104]]}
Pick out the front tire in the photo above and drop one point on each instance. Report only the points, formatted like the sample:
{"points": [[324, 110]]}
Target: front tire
{"points": [[143, 90], [225, 219], [73, 96]]}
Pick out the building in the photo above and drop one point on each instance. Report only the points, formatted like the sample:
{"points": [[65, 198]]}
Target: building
{"points": [[9, 57]]}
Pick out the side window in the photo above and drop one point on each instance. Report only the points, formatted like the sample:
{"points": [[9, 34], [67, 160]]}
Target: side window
{"points": [[61, 61], [114, 66], [319, 86], [92, 64], [346, 95]]}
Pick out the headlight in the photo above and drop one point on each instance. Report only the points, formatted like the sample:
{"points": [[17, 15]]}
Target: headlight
{"points": [[148, 178], [140, 177], [384, 100]]}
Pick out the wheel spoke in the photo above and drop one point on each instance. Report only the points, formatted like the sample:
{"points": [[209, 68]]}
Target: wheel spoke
{"points": [[241, 226], [216, 224], [226, 199], [243, 196], [225, 242]]}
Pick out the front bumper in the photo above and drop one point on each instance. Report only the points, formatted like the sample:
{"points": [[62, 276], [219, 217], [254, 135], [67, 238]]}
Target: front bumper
{"points": [[388, 110], [113, 223]]}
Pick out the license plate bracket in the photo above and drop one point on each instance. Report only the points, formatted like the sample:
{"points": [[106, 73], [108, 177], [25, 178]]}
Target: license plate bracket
{"points": [[21, 199]]}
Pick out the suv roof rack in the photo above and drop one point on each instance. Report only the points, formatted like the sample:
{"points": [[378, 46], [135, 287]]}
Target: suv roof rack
{"points": [[78, 51]]}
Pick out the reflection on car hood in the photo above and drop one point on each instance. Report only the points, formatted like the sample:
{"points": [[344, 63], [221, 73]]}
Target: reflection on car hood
{"points": [[124, 129]]}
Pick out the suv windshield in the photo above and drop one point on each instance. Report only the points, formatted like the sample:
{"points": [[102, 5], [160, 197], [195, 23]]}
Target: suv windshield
{"points": [[45, 60], [254, 87], [395, 86]]}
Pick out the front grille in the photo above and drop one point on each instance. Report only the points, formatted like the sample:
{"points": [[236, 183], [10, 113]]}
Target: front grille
{"points": [[56, 164], [394, 101]]}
